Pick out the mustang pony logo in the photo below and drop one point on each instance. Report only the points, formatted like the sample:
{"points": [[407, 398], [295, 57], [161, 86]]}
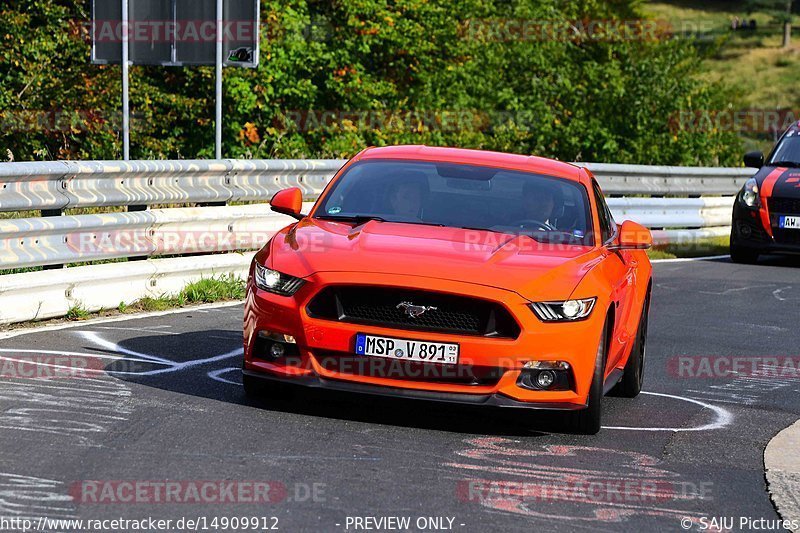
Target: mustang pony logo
{"points": [[414, 311]]}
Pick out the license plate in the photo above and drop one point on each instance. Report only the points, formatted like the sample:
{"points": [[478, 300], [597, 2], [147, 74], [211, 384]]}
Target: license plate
{"points": [[408, 350], [790, 222]]}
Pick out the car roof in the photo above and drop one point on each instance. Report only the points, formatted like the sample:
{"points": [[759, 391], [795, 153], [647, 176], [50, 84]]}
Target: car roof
{"points": [[523, 163]]}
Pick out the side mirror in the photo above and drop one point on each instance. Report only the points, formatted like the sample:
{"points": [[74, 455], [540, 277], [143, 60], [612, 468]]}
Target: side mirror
{"points": [[288, 202], [633, 236], [754, 159]]}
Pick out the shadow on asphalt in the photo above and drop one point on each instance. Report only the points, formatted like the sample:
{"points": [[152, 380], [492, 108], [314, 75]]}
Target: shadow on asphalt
{"points": [[785, 261], [422, 414]]}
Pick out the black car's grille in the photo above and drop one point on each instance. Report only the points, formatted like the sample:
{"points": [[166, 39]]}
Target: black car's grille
{"points": [[784, 206], [787, 236], [383, 306]]}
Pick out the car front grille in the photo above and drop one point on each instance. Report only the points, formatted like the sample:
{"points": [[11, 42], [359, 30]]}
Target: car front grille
{"points": [[790, 237], [784, 206], [384, 306]]}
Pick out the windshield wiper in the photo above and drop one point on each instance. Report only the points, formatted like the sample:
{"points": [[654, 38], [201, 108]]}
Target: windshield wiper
{"points": [[358, 219], [790, 164], [486, 229]]}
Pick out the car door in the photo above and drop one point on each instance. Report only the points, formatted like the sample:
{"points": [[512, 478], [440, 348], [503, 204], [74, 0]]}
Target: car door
{"points": [[619, 268]]}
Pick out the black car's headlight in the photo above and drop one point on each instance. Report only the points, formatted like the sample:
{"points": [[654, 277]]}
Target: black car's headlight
{"points": [[750, 193], [567, 311], [273, 281]]}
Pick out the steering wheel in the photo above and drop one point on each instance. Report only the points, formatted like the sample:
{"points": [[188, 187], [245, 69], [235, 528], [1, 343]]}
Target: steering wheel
{"points": [[537, 224]]}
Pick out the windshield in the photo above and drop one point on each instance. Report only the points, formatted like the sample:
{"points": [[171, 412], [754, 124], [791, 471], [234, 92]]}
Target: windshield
{"points": [[545, 208], [787, 151]]}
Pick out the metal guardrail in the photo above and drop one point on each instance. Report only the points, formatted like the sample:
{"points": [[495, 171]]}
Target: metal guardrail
{"points": [[678, 203], [668, 181], [43, 295], [67, 184]]}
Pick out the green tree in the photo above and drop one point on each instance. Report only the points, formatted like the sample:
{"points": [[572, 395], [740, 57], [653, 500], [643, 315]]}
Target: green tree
{"points": [[571, 79]]}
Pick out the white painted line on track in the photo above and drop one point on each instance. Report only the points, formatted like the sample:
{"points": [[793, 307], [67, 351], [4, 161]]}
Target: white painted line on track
{"points": [[690, 259], [120, 318], [722, 420], [94, 337]]}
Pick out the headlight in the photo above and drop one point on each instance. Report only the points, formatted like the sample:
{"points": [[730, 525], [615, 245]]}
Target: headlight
{"points": [[273, 281], [568, 311], [750, 193]]}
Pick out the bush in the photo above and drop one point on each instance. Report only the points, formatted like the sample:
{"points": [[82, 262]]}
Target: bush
{"points": [[416, 71]]}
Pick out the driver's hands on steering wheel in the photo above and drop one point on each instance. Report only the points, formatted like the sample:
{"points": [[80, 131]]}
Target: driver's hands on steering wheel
{"points": [[537, 224]]}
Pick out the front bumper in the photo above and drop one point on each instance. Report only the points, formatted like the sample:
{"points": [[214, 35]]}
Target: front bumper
{"points": [[749, 230], [493, 400], [319, 340]]}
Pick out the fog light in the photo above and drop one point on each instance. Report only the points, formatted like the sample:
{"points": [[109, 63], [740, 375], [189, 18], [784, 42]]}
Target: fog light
{"points": [[277, 350], [545, 379], [745, 231], [546, 375]]}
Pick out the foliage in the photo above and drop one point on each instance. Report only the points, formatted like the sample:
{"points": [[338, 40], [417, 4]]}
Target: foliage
{"points": [[339, 75]]}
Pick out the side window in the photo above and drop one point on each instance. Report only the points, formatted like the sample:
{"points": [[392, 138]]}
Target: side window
{"points": [[607, 225]]}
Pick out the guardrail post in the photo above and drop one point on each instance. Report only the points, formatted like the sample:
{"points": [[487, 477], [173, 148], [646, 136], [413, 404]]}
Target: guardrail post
{"points": [[46, 213], [138, 209]]}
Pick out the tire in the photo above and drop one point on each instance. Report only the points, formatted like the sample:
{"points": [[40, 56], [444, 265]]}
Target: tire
{"points": [[631, 383], [587, 421], [744, 256]]}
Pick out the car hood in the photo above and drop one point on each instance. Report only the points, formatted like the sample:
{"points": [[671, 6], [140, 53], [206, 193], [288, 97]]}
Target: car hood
{"points": [[515, 263], [786, 181]]}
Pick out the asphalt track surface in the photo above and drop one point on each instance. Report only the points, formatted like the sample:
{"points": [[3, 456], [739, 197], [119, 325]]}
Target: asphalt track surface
{"points": [[166, 404]]}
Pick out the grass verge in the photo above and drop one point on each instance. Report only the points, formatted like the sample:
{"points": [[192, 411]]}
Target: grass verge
{"points": [[695, 248], [206, 290]]}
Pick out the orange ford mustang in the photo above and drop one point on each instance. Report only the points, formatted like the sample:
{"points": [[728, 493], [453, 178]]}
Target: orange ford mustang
{"points": [[454, 275]]}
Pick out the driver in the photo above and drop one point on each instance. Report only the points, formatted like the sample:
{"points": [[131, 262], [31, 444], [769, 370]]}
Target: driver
{"points": [[541, 202], [407, 195]]}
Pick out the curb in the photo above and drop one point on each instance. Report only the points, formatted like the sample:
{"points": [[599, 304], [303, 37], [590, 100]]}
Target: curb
{"points": [[782, 465]]}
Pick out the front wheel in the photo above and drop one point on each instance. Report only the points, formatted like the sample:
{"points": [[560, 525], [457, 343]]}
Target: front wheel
{"points": [[744, 256], [587, 421], [631, 383]]}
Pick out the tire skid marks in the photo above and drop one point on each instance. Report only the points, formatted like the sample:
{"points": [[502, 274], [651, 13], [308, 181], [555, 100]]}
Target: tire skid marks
{"points": [[78, 411], [26, 497], [746, 390], [524, 475]]}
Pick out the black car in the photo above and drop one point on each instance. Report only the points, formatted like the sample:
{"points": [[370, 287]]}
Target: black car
{"points": [[766, 213]]}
